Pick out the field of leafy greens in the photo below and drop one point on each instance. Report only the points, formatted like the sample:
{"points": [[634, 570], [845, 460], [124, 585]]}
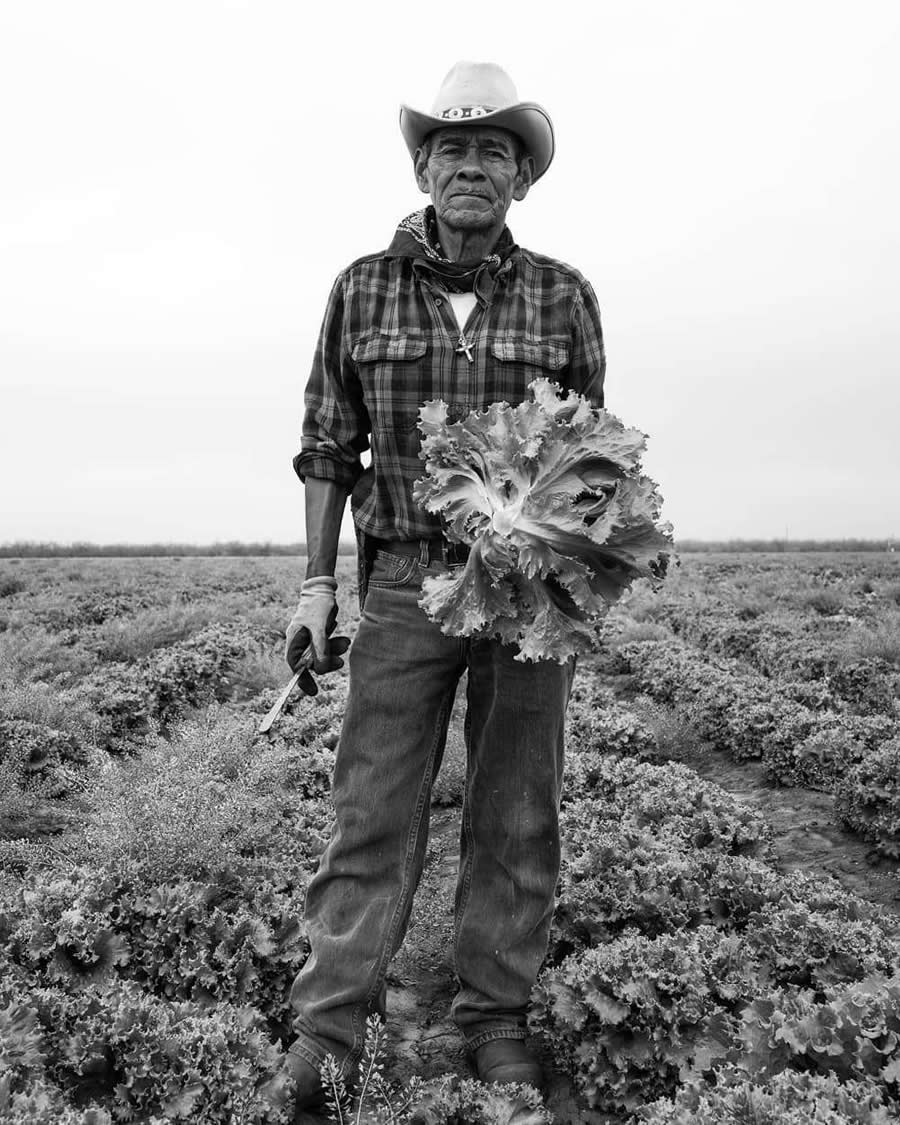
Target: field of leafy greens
{"points": [[727, 940]]}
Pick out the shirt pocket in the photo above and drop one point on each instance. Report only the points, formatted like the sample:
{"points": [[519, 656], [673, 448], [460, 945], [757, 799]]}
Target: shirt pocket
{"points": [[396, 380], [384, 347], [520, 359]]}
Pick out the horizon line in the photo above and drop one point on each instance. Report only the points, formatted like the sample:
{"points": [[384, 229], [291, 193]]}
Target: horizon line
{"points": [[86, 548]]}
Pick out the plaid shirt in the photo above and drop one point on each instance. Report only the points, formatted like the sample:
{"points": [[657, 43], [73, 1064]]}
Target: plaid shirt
{"points": [[390, 342]]}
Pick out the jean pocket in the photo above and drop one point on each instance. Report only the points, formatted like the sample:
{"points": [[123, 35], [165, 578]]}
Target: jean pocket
{"points": [[390, 571]]}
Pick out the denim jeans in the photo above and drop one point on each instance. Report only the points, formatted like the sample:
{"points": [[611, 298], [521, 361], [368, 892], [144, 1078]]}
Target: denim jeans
{"points": [[403, 678]]}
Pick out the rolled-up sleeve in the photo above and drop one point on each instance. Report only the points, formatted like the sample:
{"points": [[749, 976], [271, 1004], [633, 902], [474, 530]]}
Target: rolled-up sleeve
{"points": [[587, 366], [335, 421]]}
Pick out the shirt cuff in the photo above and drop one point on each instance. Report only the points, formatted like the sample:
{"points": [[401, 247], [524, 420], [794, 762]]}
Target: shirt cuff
{"points": [[320, 467]]}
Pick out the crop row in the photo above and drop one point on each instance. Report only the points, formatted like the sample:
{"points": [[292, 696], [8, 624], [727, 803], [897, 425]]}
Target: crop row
{"points": [[148, 957], [119, 702], [685, 968], [796, 651], [106, 595], [753, 717]]}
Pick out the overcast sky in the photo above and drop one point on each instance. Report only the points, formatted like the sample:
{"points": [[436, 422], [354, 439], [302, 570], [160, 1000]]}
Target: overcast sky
{"points": [[180, 182]]}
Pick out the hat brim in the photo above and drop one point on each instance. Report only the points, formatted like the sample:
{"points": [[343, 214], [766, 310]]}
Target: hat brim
{"points": [[527, 120]]}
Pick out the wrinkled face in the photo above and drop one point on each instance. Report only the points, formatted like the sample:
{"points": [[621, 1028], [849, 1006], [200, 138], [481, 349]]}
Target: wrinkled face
{"points": [[472, 174]]}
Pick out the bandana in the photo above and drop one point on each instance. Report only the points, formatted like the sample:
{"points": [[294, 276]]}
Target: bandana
{"points": [[417, 238]]}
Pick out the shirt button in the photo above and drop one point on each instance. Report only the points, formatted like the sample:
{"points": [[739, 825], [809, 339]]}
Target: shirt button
{"points": [[438, 300]]}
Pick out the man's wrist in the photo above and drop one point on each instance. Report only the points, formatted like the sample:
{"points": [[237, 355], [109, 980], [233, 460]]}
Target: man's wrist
{"points": [[319, 571], [319, 584]]}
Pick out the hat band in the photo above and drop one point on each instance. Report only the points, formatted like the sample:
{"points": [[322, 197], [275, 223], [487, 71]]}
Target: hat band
{"points": [[464, 112]]}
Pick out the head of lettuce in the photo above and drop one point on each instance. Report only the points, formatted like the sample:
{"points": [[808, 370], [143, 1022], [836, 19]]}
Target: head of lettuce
{"points": [[558, 517]]}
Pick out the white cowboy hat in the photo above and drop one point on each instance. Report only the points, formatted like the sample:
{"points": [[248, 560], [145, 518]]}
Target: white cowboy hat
{"points": [[482, 94]]}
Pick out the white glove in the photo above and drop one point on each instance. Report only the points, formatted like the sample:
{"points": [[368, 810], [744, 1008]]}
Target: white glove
{"points": [[315, 617], [309, 645]]}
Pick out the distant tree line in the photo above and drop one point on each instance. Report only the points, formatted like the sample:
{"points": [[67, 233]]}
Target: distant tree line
{"points": [[232, 547], [237, 549], [785, 545]]}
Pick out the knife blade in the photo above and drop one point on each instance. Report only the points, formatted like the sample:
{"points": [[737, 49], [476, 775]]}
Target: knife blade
{"points": [[278, 705]]}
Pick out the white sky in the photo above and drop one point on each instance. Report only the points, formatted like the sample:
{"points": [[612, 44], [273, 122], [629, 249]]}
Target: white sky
{"points": [[181, 181]]}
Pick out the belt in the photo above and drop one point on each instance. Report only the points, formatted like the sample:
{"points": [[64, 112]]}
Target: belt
{"points": [[438, 549]]}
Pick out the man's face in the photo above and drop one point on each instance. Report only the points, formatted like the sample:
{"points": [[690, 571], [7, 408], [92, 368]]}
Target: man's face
{"points": [[472, 175]]}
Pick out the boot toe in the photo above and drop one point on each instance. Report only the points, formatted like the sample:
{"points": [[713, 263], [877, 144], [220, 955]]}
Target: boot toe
{"points": [[308, 1094], [502, 1061]]}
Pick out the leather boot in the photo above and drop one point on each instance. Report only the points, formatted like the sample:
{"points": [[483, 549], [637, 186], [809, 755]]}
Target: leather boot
{"points": [[507, 1060], [309, 1095]]}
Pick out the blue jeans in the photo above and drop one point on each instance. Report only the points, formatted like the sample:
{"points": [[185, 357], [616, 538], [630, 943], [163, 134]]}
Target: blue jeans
{"points": [[403, 678]]}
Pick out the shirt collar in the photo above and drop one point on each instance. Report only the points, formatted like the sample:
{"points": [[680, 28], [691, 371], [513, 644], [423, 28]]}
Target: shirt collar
{"points": [[416, 238]]}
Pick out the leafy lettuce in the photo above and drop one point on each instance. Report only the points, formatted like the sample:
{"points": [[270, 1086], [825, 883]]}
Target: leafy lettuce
{"points": [[550, 498]]}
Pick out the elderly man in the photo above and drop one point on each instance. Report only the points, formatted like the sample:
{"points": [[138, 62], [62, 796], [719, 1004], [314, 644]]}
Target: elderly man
{"points": [[454, 309]]}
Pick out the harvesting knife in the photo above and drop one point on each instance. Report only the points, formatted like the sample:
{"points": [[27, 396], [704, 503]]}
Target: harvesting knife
{"points": [[278, 705]]}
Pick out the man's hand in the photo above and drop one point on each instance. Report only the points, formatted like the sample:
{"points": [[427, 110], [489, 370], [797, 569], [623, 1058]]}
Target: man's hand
{"points": [[309, 645]]}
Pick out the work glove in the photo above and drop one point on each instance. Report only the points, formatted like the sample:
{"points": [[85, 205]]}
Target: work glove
{"points": [[309, 646]]}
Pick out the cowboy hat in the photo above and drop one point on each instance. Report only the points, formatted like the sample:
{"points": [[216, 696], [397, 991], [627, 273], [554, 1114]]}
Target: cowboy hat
{"points": [[482, 94]]}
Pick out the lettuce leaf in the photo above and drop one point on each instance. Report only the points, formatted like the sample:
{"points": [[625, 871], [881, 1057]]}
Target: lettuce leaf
{"points": [[550, 497]]}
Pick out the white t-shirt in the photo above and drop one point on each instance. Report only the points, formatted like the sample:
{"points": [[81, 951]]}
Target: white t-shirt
{"points": [[462, 304]]}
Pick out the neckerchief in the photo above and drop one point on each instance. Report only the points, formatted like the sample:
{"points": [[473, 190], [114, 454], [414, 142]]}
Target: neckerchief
{"points": [[416, 237]]}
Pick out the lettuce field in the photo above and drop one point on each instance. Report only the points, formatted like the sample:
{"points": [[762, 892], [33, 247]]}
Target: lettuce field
{"points": [[726, 946]]}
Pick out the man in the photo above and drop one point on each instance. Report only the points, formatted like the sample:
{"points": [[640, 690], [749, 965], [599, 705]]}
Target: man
{"points": [[452, 310]]}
